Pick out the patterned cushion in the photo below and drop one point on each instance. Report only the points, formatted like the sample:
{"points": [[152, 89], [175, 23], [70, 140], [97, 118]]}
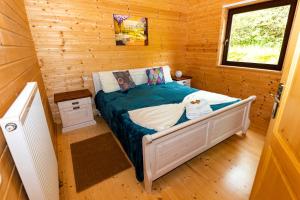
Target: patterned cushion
{"points": [[155, 76], [124, 80]]}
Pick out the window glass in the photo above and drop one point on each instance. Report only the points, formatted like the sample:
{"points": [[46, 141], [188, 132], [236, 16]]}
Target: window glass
{"points": [[257, 36]]}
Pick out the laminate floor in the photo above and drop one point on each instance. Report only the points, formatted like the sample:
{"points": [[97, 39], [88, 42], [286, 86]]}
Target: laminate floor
{"points": [[225, 171]]}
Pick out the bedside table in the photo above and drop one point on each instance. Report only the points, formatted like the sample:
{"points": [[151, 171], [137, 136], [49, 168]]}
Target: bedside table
{"points": [[184, 80], [75, 109]]}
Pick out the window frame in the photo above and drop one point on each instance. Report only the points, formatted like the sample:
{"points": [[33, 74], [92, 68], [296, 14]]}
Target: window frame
{"points": [[254, 7]]}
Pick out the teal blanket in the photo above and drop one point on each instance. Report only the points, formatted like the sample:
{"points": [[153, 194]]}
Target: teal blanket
{"points": [[114, 109]]}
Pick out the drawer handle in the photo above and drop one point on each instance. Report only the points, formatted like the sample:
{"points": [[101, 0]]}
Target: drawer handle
{"points": [[75, 108], [75, 103]]}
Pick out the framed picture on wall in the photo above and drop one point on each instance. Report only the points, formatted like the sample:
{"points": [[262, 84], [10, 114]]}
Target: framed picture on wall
{"points": [[130, 31]]}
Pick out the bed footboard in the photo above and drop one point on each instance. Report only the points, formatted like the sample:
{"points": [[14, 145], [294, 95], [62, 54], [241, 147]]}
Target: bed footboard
{"points": [[166, 150]]}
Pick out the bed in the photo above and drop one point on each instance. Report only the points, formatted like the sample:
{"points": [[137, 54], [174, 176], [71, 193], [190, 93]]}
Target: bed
{"points": [[152, 153]]}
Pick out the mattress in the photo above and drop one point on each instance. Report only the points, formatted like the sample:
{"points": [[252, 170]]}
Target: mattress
{"points": [[114, 109]]}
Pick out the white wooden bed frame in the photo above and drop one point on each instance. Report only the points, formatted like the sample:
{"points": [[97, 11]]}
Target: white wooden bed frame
{"points": [[166, 150]]}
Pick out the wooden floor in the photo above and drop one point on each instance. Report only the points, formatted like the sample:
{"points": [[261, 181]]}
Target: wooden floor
{"points": [[226, 171]]}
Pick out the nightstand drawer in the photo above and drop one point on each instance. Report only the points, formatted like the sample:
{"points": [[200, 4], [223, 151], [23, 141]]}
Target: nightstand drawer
{"points": [[75, 102], [76, 115], [186, 82]]}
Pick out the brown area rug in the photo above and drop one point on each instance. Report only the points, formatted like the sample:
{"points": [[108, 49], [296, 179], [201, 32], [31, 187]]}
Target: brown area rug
{"points": [[96, 159]]}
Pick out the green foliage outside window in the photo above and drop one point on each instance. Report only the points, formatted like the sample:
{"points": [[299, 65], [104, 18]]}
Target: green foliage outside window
{"points": [[257, 36]]}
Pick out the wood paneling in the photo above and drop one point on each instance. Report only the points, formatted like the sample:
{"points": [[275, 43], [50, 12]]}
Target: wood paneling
{"points": [[74, 38], [18, 65], [204, 22], [225, 171]]}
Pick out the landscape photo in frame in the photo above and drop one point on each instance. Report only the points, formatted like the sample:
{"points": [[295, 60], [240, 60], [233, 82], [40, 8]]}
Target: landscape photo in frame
{"points": [[130, 31]]}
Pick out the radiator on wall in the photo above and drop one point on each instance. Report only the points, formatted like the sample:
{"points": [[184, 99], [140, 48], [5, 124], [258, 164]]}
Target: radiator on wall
{"points": [[27, 134]]}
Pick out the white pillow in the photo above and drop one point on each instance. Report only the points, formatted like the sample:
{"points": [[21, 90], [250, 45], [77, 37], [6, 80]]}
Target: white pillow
{"points": [[108, 82], [167, 73], [139, 75]]}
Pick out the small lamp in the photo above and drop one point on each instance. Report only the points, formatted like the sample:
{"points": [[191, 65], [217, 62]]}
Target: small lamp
{"points": [[178, 74]]}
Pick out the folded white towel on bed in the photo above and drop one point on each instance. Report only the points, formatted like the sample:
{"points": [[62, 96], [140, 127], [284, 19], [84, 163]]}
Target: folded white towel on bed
{"points": [[165, 116], [195, 110]]}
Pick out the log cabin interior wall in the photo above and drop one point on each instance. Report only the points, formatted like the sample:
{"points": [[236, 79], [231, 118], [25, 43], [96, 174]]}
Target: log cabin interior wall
{"points": [[204, 27], [18, 65], [74, 38]]}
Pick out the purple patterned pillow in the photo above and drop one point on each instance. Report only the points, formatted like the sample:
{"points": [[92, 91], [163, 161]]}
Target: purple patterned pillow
{"points": [[155, 76], [124, 80]]}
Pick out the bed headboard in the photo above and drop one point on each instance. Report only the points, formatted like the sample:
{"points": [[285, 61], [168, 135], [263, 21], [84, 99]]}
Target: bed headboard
{"points": [[138, 75]]}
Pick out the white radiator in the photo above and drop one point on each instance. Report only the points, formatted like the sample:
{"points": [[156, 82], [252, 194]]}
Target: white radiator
{"points": [[27, 134]]}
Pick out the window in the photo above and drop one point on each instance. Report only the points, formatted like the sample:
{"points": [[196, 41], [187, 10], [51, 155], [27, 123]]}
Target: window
{"points": [[257, 35]]}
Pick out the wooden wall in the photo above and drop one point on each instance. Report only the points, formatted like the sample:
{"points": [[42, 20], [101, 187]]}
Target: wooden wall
{"points": [[204, 22], [76, 37], [18, 65]]}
